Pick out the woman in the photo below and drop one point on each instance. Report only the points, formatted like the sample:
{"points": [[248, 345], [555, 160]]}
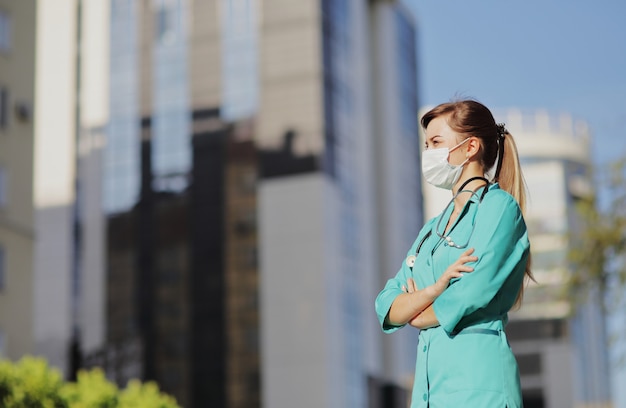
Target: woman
{"points": [[466, 269]]}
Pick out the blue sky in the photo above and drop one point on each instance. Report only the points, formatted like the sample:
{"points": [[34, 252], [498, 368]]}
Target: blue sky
{"points": [[559, 55]]}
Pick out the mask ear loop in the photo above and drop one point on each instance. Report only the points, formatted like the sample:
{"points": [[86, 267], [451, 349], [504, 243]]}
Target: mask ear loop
{"points": [[501, 132]]}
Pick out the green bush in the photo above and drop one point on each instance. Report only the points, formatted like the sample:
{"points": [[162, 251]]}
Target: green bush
{"points": [[147, 395], [91, 390], [32, 383]]}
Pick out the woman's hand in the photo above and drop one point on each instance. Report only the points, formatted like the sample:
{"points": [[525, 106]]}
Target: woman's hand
{"points": [[410, 287], [427, 318], [407, 309], [454, 271]]}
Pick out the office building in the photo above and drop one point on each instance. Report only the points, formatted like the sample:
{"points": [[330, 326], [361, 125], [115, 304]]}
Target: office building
{"points": [[278, 141], [561, 345], [183, 307], [52, 112], [338, 84]]}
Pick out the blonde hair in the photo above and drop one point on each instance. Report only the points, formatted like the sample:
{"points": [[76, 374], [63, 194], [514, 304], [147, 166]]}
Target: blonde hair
{"points": [[511, 178]]}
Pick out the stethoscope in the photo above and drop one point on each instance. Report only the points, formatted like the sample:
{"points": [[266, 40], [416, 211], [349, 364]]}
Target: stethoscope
{"points": [[410, 261]]}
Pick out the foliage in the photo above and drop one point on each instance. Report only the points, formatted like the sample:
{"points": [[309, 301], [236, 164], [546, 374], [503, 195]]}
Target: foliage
{"points": [[91, 390], [598, 244], [138, 395], [32, 383]]}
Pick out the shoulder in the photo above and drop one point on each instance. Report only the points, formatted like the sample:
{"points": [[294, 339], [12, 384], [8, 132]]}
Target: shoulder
{"points": [[500, 208], [498, 200], [429, 223]]}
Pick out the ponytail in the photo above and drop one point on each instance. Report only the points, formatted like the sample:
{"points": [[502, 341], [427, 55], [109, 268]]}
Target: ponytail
{"points": [[510, 178]]}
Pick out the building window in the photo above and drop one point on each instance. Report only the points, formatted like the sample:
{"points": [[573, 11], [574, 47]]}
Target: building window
{"points": [[3, 344], [2, 271], [3, 187], [5, 32], [4, 108], [247, 181], [240, 56], [166, 14]]}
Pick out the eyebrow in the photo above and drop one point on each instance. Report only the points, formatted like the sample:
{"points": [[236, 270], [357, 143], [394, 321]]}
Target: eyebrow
{"points": [[430, 139]]}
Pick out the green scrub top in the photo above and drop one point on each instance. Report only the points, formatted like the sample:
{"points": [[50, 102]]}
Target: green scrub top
{"points": [[466, 361]]}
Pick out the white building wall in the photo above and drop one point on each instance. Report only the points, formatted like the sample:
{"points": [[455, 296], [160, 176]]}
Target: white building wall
{"points": [[54, 169], [298, 292], [40, 154], [558, 376], [94, 116]]}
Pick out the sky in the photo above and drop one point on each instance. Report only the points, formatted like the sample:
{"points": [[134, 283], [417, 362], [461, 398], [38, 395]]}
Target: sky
{"points": [[563, 56]]}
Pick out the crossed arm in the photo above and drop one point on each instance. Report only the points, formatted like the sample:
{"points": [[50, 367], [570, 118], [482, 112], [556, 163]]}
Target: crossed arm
{"points": [[415, 305]]}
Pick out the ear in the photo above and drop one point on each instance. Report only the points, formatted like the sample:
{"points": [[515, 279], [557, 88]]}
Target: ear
{"points": [[472, 147]]}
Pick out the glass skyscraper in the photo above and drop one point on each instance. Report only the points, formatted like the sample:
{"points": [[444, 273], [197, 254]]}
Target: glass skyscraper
{"points": [[261, 184]]}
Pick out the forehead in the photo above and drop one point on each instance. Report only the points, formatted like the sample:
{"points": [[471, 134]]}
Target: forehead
{"points": [[439, 127]]}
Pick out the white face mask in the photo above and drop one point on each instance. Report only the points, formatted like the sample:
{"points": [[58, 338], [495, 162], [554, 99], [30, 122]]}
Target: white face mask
{"points": [[437, 170]]}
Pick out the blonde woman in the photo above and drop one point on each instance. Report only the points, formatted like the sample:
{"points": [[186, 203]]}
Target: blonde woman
{"points": [[466, 268]]}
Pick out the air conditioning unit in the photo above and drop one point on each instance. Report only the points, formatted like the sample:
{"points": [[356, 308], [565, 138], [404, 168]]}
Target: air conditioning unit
{"points": [[23, 111]]}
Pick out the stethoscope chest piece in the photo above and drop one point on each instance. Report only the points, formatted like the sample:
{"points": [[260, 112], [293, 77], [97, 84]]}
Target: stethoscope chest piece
{"points": [[410, 261]]}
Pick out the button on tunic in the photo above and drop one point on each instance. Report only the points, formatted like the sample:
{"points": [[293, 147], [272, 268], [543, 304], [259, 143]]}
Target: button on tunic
{"points": [[466, 361]]}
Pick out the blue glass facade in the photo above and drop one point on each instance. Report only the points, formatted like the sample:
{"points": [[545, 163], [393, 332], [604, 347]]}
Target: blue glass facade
{"points": [[406, 68], [339, 161], [121, 155], [171, 145], [240, 84]]}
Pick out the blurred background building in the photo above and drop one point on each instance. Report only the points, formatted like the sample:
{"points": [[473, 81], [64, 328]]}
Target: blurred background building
{"points": [[53, 76], [334, 73], [259, 182], [561, 347]]}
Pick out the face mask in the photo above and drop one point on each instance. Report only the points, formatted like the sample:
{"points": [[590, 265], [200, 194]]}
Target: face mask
{"points": [[437, 170]]}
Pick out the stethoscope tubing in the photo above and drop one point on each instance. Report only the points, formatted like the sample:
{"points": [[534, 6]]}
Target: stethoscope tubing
{"points": [[443, 236]]}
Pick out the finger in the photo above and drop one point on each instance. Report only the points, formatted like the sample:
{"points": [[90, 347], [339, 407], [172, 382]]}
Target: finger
{"points": [[468, 252], [411, 285], [466, 259], [404, 288], [462, 268]]}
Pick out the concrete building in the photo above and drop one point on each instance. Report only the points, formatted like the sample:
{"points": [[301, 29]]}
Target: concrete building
{"points": [[561, 347], [53, 83], [556, 334], [339, 77]]}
